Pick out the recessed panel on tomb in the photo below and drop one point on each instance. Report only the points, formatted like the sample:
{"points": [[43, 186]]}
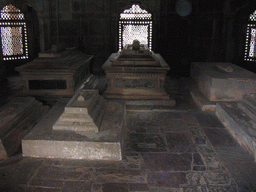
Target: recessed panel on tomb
{"points": [[55, 73]]}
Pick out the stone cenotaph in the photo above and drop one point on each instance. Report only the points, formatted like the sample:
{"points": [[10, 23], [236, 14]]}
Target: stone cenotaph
{"points": [[135, 73]]}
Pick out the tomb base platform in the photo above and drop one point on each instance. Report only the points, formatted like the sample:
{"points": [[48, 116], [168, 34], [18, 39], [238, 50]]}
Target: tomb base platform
{"points": [[45, 142], [135, 79]]}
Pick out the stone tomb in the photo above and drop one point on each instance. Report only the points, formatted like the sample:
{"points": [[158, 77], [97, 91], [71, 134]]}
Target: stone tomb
{"points": [[86, 127], [55, 74], [136, 74], [240, 119], [83, 113], [220, 82], [17, 118]]}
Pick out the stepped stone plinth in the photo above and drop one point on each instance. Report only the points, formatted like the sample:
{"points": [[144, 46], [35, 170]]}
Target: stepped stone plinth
{"points": [[240, 119], [86, 127], [83, 113]]}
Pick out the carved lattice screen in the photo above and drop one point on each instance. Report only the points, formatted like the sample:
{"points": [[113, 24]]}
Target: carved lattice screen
{"points": [[13, 33], [250, 43], [135, 23]]}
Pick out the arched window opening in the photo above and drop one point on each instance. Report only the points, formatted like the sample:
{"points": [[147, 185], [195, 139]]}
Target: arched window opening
{"points": [[250, 43], [135, 23], [13, 33]]}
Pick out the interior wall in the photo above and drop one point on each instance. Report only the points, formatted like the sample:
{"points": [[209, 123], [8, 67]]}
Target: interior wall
{"points": [[207, 34], [90, 25], [196, 37]]}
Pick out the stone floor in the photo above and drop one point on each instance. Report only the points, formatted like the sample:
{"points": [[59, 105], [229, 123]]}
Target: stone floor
{"points": [[165, 150]]}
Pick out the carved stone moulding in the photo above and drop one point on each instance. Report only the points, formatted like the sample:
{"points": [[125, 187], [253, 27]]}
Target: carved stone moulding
{"points": [[136, 86]]}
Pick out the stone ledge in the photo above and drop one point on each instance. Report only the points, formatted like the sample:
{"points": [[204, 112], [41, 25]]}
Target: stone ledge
{"points": [[238, 124]]}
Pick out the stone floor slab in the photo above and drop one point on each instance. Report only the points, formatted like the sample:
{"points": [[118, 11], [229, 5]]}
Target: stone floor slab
{"points": [[168, 161], [11, 173], [166, 179], [220, 138], [178, 125], [43, 189], [136, 187], [179, 143], [108, 175], [209, 120], [243, 173], [53, 183], [76, 186], [145, 143], [110, 187]]}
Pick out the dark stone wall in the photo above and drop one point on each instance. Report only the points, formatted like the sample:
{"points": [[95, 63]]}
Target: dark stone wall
{"points": [[196, 37], [236, 28]]}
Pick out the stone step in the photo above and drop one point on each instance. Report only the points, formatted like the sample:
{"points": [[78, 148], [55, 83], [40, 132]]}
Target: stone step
{"points": [[75, 126], [76, 110], [73, 117], [77, 105], [248, 106], [247, 109]]}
